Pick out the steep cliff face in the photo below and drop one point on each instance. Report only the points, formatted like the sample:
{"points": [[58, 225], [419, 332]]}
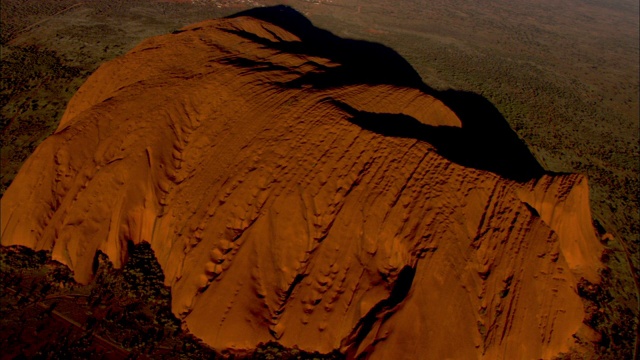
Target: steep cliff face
{"points": [[306, 189]]}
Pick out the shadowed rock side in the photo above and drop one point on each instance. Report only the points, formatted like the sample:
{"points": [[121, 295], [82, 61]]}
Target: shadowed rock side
{"points": [[301, 194]]}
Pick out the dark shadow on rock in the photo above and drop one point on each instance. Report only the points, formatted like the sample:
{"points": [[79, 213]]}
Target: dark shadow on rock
{"points": [[399, 292], [485, 140], [492, 147], [361, 62]]}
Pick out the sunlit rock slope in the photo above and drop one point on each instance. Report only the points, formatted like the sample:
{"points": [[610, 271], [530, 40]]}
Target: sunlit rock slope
{"points": [[306, 189]]}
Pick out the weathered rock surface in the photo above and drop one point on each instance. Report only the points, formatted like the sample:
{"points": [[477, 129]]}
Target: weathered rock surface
{"points": [[306, 189]]}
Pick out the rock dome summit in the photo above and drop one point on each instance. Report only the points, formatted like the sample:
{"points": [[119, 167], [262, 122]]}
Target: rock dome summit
{"points": [[311, 190]]}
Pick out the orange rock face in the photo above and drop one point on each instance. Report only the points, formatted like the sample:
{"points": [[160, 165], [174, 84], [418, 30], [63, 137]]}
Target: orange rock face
{"points": [[306, 189]]}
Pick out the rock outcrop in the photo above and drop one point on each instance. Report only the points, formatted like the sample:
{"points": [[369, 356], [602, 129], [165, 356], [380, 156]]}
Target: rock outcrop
{"points": [[302, 188]]}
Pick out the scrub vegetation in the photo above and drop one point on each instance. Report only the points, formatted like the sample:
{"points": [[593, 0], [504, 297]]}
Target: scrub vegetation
{"points": [[122, 313]]}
